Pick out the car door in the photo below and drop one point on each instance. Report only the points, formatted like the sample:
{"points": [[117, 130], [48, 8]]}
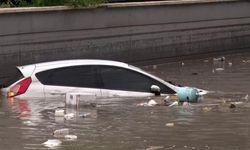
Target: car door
{"points": [[123, 82], [75, 79]]}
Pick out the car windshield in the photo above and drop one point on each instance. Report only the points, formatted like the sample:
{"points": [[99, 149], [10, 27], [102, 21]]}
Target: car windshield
{"points": [[17, 75]]}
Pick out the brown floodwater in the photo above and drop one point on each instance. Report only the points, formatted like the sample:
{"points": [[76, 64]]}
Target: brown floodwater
{"points": [[120, 124]]}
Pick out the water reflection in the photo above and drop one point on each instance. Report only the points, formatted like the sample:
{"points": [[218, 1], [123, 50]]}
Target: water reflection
{"points": [[184, 115], [120, 124]]}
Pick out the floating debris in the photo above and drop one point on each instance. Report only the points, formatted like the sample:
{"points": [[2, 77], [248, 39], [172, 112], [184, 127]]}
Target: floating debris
{"points": [[171, 98], [152, 103], [69, 116], [189, 147], [29, 123], [206, 61], [142, 104], [207, 147], [61, 132], [246, 61], [70, 137], [182, 63], [219, 69], [232, 105], [59, 113], [219, 59], [175, 103], [187, 94], [51, 143], [154, 147], [85, 115], [230, 64], [207, 109], [237, 103], [75, 99], [169, 124]]}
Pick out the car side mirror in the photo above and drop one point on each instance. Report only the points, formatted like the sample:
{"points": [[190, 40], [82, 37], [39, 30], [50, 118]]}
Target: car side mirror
{"points": [[155, 89]]}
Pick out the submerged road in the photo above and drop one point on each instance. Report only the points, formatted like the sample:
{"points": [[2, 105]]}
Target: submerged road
{"points": [[120, 124]]}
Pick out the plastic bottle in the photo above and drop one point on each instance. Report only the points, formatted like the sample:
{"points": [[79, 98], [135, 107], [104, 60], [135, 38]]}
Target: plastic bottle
{"points": [[61, 132]]}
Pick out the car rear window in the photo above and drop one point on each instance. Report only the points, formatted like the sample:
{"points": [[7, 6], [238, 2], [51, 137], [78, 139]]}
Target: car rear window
{"points": [[15, 76], [74, 76]]}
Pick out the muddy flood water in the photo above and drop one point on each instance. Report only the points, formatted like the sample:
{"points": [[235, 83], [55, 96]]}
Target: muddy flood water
{"points": [[120, 124]]}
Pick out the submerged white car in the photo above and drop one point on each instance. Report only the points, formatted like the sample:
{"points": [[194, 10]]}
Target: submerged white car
{"points": [[102, 78]]}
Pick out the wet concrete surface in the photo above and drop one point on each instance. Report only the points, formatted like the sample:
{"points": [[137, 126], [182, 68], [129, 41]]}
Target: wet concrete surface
{"points": [[121, 124]]}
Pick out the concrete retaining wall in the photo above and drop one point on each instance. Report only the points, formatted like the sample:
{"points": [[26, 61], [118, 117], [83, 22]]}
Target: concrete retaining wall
{"points": [[125, 32]]}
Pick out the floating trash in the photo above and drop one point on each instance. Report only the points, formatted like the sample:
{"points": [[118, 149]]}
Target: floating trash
{"points": [[152, 103], [189, 147], [187, 94], [171, 98], [69, 116], [169, 124], [232, 105], [207, 147], [142, 104], [149, 103], [29, 123], [207, 109], [61, 132], [237, 103], [59, 113], [219, 59], [219, 69], [230, 64], [70, 137], [51, 143], [75, 99], [85, 115], [246, 61], [176, 103], [154, 147]]}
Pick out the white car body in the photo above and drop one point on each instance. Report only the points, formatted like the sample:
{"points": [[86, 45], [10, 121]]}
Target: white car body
{"points": [[38, 89]]}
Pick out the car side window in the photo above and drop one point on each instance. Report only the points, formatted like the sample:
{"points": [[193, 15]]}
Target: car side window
{"points": [[75, 76], [124, 79]]}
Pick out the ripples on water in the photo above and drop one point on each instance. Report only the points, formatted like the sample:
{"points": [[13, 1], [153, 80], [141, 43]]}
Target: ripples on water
{"points": [[120, 124]]}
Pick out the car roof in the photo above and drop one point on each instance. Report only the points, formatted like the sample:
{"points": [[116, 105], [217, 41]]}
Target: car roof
{"points": [[63, 63], [27, 70]]}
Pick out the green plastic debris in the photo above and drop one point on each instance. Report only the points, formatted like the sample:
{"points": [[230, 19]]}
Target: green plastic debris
{"points": [[188, 94]]}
